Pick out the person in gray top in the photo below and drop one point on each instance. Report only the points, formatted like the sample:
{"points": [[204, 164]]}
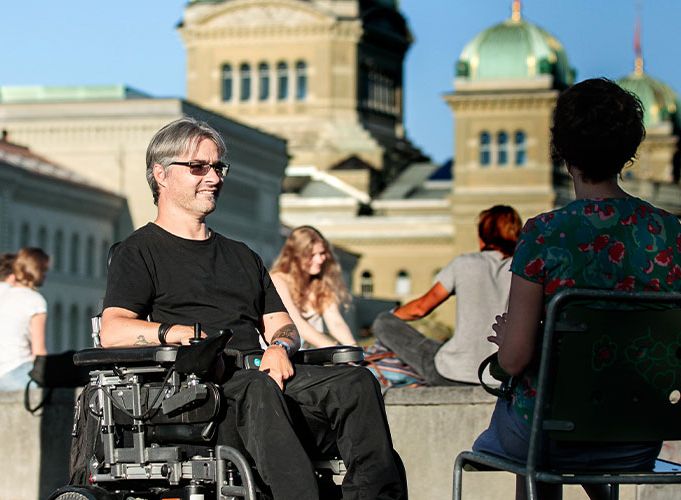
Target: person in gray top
{"points": [[481, 282]]}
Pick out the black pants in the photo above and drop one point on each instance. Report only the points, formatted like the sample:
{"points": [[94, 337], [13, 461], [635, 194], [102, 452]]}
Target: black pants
{"points": [[321, 409]]}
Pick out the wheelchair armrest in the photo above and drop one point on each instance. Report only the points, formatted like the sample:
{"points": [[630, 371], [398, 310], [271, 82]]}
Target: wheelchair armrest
{"points": [[126, 355], [333, 355]]}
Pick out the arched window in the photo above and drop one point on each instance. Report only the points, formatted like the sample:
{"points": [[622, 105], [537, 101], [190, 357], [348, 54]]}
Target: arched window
{"points": [[74, 266], [58, 250], [264, 80], [301, 80], [103, 258], [245, 81], [74, 324], [90, 257], [485, 156], [520, 154], [403, 284], [366, 284], [282, 81], [227, 82], [42, 238], [57, 322], [24, 235], [502, 148]]}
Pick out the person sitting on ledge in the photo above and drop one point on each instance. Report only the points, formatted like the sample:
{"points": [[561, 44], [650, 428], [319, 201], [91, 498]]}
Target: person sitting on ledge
{"points": [[481, 282], [607, 240], [308, 279]]}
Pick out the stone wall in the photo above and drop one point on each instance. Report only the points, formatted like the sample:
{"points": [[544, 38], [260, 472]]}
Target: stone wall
{"points": [[35, 448], [429, 427]]}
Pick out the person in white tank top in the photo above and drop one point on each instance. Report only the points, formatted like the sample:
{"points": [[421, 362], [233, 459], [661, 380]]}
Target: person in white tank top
{"points": [[23, 314], [308, 280]]}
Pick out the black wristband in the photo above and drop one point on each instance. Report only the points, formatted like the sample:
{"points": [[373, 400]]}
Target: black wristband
{"points": [[163, 331]]}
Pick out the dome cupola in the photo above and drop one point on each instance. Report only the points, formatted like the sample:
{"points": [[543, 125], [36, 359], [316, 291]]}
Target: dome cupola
{"points": [[660, 102], [515, 50]]}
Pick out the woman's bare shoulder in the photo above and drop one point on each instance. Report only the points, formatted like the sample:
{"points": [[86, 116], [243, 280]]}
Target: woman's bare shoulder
{"points": [[280, 279]]}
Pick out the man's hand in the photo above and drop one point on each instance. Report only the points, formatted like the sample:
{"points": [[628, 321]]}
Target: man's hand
{"points": [[181, 334], [276, 364]]}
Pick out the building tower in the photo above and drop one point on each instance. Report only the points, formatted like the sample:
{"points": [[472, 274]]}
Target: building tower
{"points": [[507, 81], [324, 74], [658, 156]]}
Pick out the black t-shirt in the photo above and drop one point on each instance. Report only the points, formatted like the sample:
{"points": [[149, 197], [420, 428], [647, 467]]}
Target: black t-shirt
{"points": [[218, 282]]}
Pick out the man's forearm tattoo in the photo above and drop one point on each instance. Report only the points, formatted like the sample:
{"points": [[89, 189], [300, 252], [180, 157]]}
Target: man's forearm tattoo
{"points": [[290, 334], [142, 341]]}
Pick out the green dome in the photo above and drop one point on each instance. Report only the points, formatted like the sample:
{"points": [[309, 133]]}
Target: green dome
{"points": [[659, 101], [514, 49]]}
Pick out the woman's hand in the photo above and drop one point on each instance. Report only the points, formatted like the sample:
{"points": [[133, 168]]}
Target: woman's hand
{"points": [[516, 332], [500, 329], [276, 363]]}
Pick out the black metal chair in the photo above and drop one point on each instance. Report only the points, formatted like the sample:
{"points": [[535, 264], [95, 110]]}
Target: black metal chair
{"points": [[610, 372]]}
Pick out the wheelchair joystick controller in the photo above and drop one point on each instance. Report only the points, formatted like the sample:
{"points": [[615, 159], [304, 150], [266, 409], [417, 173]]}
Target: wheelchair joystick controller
{"points": [[197, 334]]}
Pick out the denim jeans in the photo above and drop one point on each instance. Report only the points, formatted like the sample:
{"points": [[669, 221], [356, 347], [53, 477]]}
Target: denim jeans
{"points": [[508, 436], [16, 379]]}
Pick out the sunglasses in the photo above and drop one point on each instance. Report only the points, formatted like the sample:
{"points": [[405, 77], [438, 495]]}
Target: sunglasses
{"points": [[202, 168]]}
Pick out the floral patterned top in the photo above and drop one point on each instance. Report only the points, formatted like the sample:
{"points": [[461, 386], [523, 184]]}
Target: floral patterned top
{"points": [[607, 244]]}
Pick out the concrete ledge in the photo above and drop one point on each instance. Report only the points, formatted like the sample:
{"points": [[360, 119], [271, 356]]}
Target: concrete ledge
{"points": [[435, 396], [429, 425], [35, 448]]}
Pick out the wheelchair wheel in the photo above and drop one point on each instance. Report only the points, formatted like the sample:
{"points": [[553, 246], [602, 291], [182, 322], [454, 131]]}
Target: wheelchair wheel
{"points": [[81, 493], [71, 495]]}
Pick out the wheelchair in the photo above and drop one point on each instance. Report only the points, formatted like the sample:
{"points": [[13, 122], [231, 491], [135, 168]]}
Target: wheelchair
{"points": [[144, 426]]}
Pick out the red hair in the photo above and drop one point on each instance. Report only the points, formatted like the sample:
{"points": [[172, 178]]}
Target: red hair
{"points": [[499, 229]]}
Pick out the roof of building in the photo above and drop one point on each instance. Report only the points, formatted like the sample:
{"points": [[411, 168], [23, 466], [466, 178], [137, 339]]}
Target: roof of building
{"points": [[21, 157], [660, 102], [515, 49], [417, 181], [46, 93]]}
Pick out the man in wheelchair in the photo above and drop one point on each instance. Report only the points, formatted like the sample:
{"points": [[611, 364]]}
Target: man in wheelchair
{"points": [[177, 272]]}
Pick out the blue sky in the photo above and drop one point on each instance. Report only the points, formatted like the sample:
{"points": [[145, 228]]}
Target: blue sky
{"points": [[135, 42]]}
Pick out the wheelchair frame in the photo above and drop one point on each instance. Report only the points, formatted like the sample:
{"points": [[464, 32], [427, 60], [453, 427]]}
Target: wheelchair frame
{"points": [[128, 394]]}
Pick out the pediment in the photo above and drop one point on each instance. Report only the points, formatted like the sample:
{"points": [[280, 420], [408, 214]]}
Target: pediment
{"points": [[263, 13]]}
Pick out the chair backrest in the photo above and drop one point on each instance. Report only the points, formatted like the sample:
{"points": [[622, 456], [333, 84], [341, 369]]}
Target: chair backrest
{"points": [[611, 367]]}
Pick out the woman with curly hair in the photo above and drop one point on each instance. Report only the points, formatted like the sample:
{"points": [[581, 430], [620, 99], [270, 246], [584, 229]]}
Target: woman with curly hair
{"points": [[23, 313], [605, 239], [308, 279]]}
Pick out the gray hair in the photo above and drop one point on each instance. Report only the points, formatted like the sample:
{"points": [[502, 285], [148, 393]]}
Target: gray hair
{"points": [[176, 139]]}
